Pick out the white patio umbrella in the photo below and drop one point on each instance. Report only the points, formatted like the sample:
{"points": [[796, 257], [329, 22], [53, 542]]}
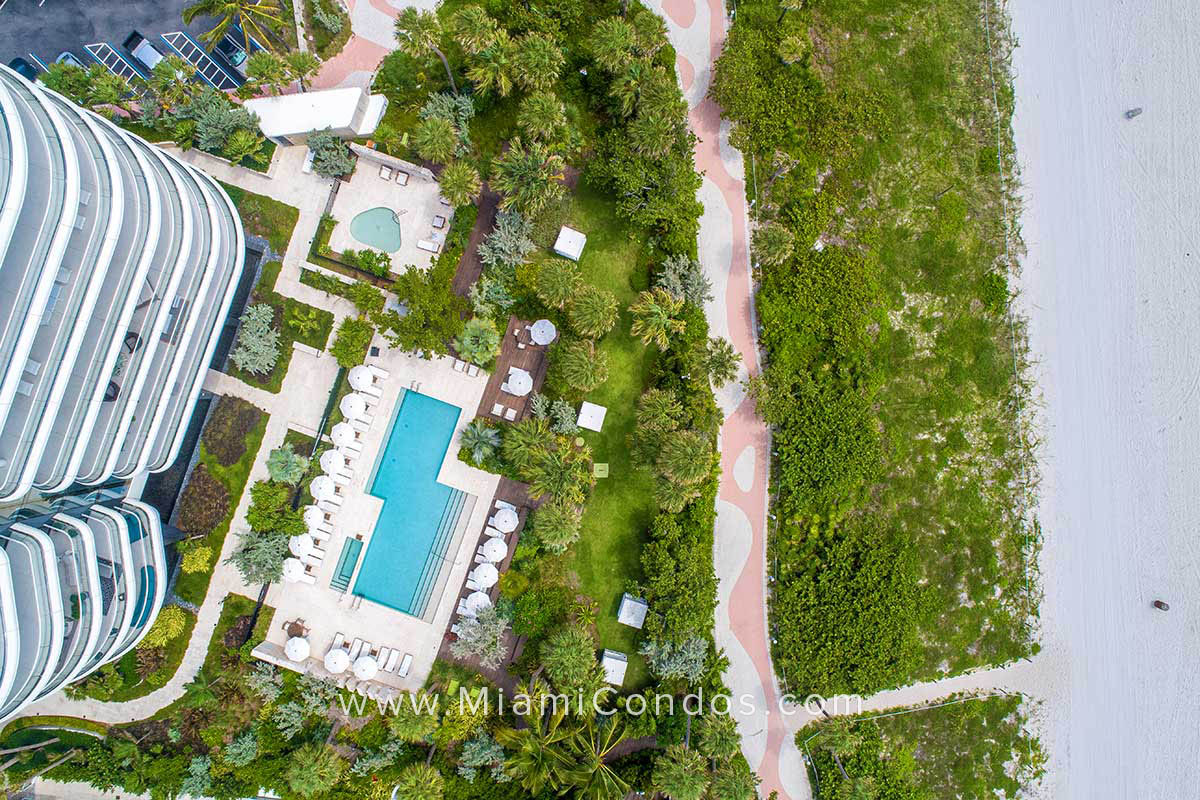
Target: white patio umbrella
{"points": [[342, 434], [313, 517], [337, 661], [297, 648], [301, 544], [520, 382], [365, 668], [360, 377], [292, 569], [353, 406], [477, 601], [486, 575], [332, 461], [543, 332], [506, 520], [494, 549], [322, 487]]}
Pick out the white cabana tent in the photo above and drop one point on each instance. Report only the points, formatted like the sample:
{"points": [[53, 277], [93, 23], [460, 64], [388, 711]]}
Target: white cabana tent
{"points": [[337, 661], [301, 544], [632, 611], [365, 668], [520, 382], [297, 649], [506, 520], [342, 434], [322, 487], [486, 575], [569, 243], [494, 549], [353, 406], [591, 416], [292, 569], [614, 665], [360, 377], [542, 332], [476, 602]]}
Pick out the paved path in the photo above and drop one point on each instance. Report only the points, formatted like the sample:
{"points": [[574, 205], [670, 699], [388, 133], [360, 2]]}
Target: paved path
{"points": [[373, 23]]}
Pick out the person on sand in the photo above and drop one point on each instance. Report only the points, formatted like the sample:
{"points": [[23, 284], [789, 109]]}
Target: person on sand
{"points": [[1161, 606]]}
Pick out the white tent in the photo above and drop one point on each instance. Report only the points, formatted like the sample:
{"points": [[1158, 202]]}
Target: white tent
{"points": [[322, 487], [301, 544], [486, 575], [360, 377], [614, 665], [292, 569], [342, 434], [591, 416], [494, 549], [297, 649], [477, 601], [337, 661], [569, 243], [365, 668], [520, 382], [353, 406], [506, 520], [542, 332]]}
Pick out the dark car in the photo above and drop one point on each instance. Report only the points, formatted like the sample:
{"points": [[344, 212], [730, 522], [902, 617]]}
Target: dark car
{"points": [[23, 68]]}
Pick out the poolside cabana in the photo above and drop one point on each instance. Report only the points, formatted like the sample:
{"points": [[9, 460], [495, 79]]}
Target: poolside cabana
{"points": [[591, 416], [632, 611], [614, 665], [569, 243]]}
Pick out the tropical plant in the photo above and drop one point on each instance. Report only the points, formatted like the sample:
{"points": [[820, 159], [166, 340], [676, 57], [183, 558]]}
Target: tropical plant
{"points": [[592, 746], [562, 418], [195, 559], [772, 244], [581, 364], [435, 139], [457, 109], [490, 297], [460, 183], [491, 69], [367, 297], [198, 779], [541, 756], [670, 661], [259, 557], [331, 157], [653, 134], [419, 782], [290, 718], [371, 762], [686, 457], [721, 361], [509, 244], [314, 769], [284, 465], [482, 637], [527, 442], [268, 70], [271, 509], [569, 657], [529, 177], [419, 32], [264, 681], [541, 116], [479, 342], [683, 278], [353, 338], [301, 64], [556, 525], [655, 318], [171, 82], [257, 347], [562, 472], [734, 781], [169, 623], [256, 18], [413, 718], [612, 42], [681, 774], [537, 61], [482, 751], [326, 17], [557, 282], [243, 143], [242, 750], [473, 29], [592, 312], [435, 312], [481, 440], [794, 48]]}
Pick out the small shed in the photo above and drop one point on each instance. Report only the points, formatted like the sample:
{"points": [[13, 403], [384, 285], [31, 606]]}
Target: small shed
{"points": [[614, 665], [591, 416], [632, 611], [569, 243]]}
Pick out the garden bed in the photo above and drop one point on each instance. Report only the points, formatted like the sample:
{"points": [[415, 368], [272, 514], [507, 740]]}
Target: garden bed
{"points": [[264, 216]]}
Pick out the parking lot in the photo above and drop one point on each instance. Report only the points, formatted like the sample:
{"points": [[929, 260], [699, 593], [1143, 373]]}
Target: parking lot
{"points": [[60, 25]]}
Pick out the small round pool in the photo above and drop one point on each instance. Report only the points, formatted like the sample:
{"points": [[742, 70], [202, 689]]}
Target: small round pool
{"points": [[377, 228]]}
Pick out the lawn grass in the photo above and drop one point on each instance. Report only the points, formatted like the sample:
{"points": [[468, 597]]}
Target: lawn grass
{"points": [[7, 737], [192, 587], [264, 216]]}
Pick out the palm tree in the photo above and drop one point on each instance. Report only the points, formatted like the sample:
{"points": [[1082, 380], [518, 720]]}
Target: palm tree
{"points": [[256, 18], [839, 739], [788, 5], [435, 139], [268, 70], [170, 81], [106, 89], [733, 781], [655, 320], [772, 244], [563, 473], [314, 770], [492, 67], [653, 133], [681, 774], [302, 65], [413, 722], [626, 87], [557, 282], [481, 440], [460, 183], [721, 361], [793, 48], [541, 115], [529, 177], [473, 29], [612, 41], [526, 442], [421, 31], [718, 737], [556, 526], [537, 61], [685, 457], [419, 782], [592, 743], [541, 758], [582, 366], [593, 312], [387, 137], [201, 691]]}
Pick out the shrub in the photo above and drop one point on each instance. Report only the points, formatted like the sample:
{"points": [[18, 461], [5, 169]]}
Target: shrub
{"points": [[683, 278], [373, 261], [556, 525], [228, 426], [479, 341], [509, 244], [569, 656], [204, 504], [557, 282], [196, 559], [327, 18], [271, 509], [481, 440], [285, 466], [170, 623], [257, 347], [353, 339], [670, 661], [482, 637], [331, 157], [259, 557]]}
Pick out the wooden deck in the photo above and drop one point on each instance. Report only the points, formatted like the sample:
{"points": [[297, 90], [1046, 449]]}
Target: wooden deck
{"points": [[531, 358], [469, 266]]}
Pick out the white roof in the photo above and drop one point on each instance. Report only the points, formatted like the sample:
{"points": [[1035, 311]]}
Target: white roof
{"points": [[570, 243], [291, 114], [614, 665], [632, 611], [591, 416]]}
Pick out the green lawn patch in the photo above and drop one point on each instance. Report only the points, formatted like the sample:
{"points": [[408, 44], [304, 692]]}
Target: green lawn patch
{"points": [[264, 216]]}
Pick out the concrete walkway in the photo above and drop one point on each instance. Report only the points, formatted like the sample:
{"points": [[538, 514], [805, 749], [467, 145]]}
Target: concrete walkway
{"points": [[373, 23]]}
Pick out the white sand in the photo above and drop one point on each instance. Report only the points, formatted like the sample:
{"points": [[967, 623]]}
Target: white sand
{"points": [[1111, 219]]}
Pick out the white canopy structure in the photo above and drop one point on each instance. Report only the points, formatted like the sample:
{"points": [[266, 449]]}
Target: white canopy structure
{"points": [[506, 520], [353, 406], [292, 570], [297, 649], [337, 661], [342, 434], [486, 575], [591, 416], [542, 332], [476, 602], [614, 665], [322, 487], [333, 461], [301, 545], [360, 377], [569, 243], [365, 668], [313, 517], [494, 550], [520, 382]]}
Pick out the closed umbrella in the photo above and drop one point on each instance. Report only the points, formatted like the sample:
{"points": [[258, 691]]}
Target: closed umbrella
{"points": [[332, 461], [494, 549], [337, 661], [292, 569], [365, 668], [313, 517], [297, 648], [476, 602], [342, 434], [486, 575], [353, 406], [301, 544], [322, 487], [520, 383], [360, 377], [543, 332], [506, 520]]}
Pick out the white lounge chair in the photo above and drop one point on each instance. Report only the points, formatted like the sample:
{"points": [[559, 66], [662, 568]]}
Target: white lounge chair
{"points": [[360, 425], [510, 414], [390, 666], [330, 505], [456, 629], [339, 641], [460, 366], [318, 552], [493, 532], [372, 393], [504, 387], [491, 522], [355, 648], [479, 559], [308, 577], [379, 372], [502, 504], [462, 610], [312, 560], [402, 177], [384, 652], [427, 246], [472, 585], [497, 410], [472, 370], [405, 665]]}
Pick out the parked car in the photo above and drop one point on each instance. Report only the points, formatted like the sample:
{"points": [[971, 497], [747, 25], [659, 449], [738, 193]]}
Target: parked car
{"points": [[23, 68], [142, 50], [232, 51]]}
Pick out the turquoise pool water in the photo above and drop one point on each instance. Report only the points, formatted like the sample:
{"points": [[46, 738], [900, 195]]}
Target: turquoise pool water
{"points": [[408, 547], [377, 227]]}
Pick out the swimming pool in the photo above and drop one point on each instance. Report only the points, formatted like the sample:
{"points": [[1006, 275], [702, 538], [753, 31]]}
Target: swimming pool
{"points": [[408, 547], [377, 227]]}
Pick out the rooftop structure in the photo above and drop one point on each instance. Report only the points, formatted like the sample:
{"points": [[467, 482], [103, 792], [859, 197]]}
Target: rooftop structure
{"points": [[290, 118], [569, 243], [614, 665], [632, 611], [118, 265]]}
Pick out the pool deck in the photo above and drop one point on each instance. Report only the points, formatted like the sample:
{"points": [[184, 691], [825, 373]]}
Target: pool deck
{"points": [[417, 203], [326, 612]]}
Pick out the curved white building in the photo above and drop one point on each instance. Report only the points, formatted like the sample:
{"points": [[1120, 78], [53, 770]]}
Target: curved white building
{"points": [[118, 264]]}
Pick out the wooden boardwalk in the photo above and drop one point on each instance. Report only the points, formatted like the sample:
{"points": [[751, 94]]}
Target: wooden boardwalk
{"points": [[531, 358]]}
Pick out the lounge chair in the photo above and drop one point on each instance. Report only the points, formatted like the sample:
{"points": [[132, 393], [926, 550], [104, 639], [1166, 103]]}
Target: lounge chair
{"points": [[511, 414], [405, 665], [393, 659], [462, 609], [339, 641], [318, 552], [402, 177], [472, 370], [328, 507], [360, 425], [384, 652], [520, 345], [491, 522], [493, 532], [460, 366], [472, 585], [497, 410], [355, 648], [479, 559], [503, 504], [308, 577], [427, 246], [385, 172], [312, 560], [456, 629], [379, 372], [504, 387]]}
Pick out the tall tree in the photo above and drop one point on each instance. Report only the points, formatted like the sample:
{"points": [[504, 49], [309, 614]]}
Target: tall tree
{"points": [[557, 282], [593, 312], [772, 244], [268, 70], [460, 183], [256, 18], [612, 43], [537, 61], [473, 29], [541, 756], [593, 742], [655, 318], [420, 32], [435, 139], [491, 69], [733, 780], [681, 774], [685, 457], [419, 782], [314, 769], [529, 177], [721, 361], [717, 736], [541, 116], [302, 65], [582, 365]]}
